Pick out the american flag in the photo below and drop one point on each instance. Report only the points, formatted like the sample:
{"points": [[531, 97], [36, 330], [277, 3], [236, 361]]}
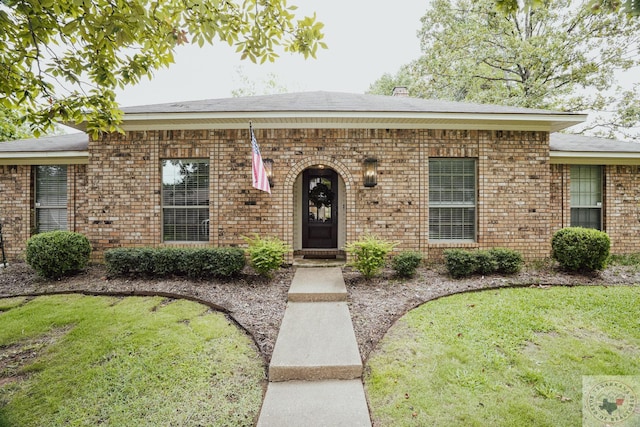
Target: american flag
{"points": [[260, 180]]}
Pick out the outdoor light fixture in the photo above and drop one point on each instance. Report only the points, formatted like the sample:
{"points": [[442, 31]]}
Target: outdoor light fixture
{"points": [[268, 167], [370, 172]]}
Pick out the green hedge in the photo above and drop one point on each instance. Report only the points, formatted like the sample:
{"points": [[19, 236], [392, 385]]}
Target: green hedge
{"points": [[162, 262], [581, 249], [54, 254], [463, 263], [406, 263]]}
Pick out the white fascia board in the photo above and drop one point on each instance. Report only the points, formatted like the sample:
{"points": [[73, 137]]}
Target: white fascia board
{"points": [[594, 158], [351, 120], [44, 158]]}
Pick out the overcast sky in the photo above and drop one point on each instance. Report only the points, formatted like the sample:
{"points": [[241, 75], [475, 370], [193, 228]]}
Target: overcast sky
{"points": [[366, 39]]}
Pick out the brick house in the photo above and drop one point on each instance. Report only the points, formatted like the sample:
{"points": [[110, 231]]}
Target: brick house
{"points": [[428, 174]]}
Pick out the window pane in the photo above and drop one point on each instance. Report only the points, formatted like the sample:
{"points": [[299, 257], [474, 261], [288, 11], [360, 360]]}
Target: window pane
{"points": [[51, 197], [51, 186], [185, 182], [452, 198], [185, 199], [50, 219], [586, 217], [181, 224], [452, 223], [452, 181]]}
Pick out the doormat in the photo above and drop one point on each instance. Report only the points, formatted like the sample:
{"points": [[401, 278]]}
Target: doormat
{"points": [[318, 256]]}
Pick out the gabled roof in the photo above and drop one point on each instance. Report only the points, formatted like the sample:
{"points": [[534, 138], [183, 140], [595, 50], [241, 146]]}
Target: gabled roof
{"points": [[580, 149], [341, 110]]}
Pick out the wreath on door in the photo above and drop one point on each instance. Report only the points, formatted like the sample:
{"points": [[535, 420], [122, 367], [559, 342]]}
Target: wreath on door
{"points": [[321, 195]]}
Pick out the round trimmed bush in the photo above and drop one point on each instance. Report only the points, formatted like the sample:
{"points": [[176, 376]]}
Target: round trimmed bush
{"points": [[460, 263], [54, 254], [508, 261], [406, 263], [581, 249]]}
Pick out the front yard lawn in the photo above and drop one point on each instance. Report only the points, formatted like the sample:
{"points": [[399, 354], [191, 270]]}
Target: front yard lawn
{"points": [[134, 361], [509, 357]]}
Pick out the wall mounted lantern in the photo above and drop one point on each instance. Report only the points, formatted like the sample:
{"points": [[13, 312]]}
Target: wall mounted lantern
{"points": [[370, 172], [268, 167]]}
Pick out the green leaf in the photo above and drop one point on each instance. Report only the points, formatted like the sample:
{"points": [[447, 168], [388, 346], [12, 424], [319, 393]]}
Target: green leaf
{"points": [[96, 40]]}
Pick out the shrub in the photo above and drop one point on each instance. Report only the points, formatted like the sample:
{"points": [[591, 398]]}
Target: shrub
{"points": [[580, 249], [485, 262], [368, 255], [162, 262], [406, 262], [460, 263], [219, 262], [508, 261], [54, 254], [266, 254]]}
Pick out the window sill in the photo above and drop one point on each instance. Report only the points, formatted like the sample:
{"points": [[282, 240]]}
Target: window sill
{"points": [[453, 243], [185, 242]]}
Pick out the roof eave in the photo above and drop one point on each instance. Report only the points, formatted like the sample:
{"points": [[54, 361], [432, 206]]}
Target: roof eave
{"points": [[594, 158], [44, 158], [351, 120]]}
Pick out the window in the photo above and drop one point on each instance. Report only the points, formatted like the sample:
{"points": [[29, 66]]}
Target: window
{"points": [[586, 196], [50, 198], [185, 200], [452, 199]]}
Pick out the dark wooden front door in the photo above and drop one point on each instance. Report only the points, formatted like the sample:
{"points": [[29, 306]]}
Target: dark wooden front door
{"points": [[319, 209]]}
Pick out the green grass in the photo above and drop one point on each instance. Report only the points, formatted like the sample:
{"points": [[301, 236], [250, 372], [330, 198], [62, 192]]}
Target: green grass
{"points": [[510, 357], [124, 362]]}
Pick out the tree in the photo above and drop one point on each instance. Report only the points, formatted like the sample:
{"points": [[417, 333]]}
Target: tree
{"points": [[561, 56], [631, 7], [385, 84], [249, 87], [61, 60], [11, 126]]}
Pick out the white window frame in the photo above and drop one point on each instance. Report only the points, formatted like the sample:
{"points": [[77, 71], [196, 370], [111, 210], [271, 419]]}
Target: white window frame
{"points": [[195, 208], [54, 204], [462, 200]]}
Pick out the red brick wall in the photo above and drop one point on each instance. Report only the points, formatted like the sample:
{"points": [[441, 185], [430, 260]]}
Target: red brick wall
{"points": [[622, 205], [523, 199], [15, 208], [16, 204], [123, 184]]}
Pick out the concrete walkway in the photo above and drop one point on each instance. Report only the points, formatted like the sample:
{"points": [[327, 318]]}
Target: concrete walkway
{"points": [[315, 375]]}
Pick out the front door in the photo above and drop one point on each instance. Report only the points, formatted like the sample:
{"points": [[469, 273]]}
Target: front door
{"points": [[319, 209]]}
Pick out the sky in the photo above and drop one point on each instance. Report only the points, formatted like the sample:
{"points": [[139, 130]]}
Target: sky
{"points": [[365, 40]]}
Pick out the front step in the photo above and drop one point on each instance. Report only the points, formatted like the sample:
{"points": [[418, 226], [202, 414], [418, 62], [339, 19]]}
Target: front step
{"points": [[316, 403], [317, 285], [316, 342]]}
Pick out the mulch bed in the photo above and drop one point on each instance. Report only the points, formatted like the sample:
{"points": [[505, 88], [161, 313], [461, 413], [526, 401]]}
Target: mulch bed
{"points": [[257, 304]]}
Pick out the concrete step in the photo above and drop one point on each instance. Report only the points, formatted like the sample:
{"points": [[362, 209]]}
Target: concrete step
{"points": [[317, 284], [316, 342], [316, 403]]}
